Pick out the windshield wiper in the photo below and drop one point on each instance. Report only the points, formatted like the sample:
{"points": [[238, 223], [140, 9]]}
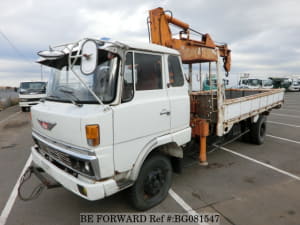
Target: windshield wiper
{"points": [[68, 91], [53, 96]]}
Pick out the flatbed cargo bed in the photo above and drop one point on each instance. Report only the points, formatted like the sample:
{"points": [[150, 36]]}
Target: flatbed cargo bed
{"points": [[236, 105]]}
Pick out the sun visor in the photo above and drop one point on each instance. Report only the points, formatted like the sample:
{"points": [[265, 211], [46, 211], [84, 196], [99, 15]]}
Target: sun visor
{"points": [[56, 58], [57, 63], [54, 63]]}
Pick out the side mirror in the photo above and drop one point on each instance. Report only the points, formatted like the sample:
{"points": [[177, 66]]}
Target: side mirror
{"points": [[89, 57]]}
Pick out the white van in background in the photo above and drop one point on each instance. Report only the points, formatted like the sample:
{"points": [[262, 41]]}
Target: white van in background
{"points": [[30, 93]]}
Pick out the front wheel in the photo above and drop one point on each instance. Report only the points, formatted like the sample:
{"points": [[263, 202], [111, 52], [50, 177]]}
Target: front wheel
{"points": [[258, 130], [153, 183]]}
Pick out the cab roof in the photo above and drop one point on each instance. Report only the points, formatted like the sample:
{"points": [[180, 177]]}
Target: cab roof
{"points": [[149, 47], [123, 44]]}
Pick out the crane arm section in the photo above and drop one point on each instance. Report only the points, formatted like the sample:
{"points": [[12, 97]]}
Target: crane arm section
{"points": [[192, 51]]}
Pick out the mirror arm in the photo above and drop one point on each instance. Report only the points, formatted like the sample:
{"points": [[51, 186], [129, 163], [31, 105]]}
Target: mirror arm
{"points": [[71, 65]]}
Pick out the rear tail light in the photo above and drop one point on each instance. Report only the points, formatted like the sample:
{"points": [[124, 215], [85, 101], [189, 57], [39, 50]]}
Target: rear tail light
{"points": [[92, 135]]}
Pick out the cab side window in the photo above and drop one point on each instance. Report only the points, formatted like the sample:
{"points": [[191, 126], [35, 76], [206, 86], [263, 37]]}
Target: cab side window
{"points": [[148, 72], [175, 72], [128, 88]]}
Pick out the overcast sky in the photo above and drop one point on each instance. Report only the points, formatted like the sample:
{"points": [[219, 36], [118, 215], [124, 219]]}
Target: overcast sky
{"points": [[263, 34]]}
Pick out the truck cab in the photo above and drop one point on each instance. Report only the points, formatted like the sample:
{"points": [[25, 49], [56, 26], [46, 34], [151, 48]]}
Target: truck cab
{"points": [[267, 83], [101, 132], [256, 83], [280, 82], [248, 83], [30, 93]]}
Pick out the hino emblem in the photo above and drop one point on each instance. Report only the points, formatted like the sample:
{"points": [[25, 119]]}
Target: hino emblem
{"points": [[46, 125]]}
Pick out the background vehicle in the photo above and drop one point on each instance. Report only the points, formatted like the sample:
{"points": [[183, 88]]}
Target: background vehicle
{"points": [[30, 93], [294, 85], [266, 83], [212, 84], [121, 114], [256, 83], [249, 83], [279, 82]]}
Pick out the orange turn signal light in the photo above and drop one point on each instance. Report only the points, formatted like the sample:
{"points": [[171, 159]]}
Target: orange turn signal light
{"points": [[92, 135]]}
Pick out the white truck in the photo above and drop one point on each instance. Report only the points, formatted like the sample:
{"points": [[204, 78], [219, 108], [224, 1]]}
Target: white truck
{"points": [[267, 83], [119, 115], [256, 83], [30, 93]]}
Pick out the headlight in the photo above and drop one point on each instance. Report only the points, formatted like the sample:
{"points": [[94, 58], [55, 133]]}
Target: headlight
{"points": [[87, 167], [83, 166]]}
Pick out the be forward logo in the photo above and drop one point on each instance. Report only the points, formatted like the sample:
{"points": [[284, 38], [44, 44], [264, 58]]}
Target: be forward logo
{"points": [[46, 125]]}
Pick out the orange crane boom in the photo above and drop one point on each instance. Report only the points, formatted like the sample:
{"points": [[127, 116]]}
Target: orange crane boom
{"points": [[192, 51]]}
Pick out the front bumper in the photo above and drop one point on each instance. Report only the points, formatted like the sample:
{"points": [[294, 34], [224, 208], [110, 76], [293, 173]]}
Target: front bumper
{"points": [[94, 190], [293, 88], [28, 104]]}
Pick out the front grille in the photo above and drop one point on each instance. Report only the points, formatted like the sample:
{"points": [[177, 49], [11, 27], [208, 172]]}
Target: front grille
{"points": [[58, 155], [29, 99], [34, 99], [69, 163]]}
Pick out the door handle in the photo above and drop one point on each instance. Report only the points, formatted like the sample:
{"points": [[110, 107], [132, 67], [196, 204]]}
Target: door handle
{"points": [[165, 112]]}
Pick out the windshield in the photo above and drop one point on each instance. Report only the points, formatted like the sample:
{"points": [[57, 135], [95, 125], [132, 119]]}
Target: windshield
{"points": [[65, 86], [295, 82], [245, 82], [286, 81], [32, 87], [253, 82]]}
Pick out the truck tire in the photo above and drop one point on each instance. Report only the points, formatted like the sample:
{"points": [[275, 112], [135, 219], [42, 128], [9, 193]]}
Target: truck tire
{"points": [[258, 131], [153, 183]]}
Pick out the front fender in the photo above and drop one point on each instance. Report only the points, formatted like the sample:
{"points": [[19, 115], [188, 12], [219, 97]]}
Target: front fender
{"points": [[164, 144]]}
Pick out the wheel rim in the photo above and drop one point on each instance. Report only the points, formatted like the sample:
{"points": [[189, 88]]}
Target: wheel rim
{"points": [[154, 182]]}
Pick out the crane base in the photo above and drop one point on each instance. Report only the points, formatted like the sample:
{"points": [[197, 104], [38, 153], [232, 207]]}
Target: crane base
{"points": [[205, 163]]}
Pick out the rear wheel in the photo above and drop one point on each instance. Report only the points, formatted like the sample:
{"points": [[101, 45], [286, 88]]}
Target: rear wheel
{"points": [[258, 130], [153, 183]]}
